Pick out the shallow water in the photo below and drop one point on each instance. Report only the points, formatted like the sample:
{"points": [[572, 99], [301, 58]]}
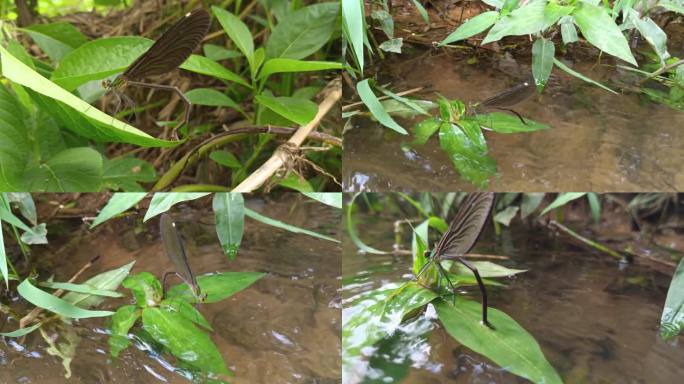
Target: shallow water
{"points": [[598, 141], [285, 328], [595, 322]]}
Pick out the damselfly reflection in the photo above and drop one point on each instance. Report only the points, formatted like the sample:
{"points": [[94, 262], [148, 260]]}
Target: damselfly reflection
{"points": [[165, 55], [175, 251], [459, 239]]}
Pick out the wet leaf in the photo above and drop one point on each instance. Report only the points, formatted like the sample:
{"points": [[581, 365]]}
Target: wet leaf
{"points": [[561, 200], [672, 319], [229, 212], [146, 289], [543, 52], [80, 288], [183, 339], [601, 31], [580, 76], [525, 20], [655, 36], [595, 205], [163, 201], [109, 281], [375, 107], [279, 224], [509, 345], [37, 235], [504, 217], [118, 203], [402, 109], [506, 123], [300, 111], [123, 319], [372, 316], [487, 269], [530, 202], [22, 331], [467, 150], [44, 300], [125, 173], [217, 286], [472, 27], [333, 199], [351, 231], [186, 310], [424, 130], [392, 45]]}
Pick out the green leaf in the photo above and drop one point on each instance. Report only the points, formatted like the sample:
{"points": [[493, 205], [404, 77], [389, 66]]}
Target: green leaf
{"points": [[56, 39], [163, 201], [595, 206], [376, 315], [15, 146], [422, 11], [185, 341], [568, 30], [22, 331], [304, 31], [238, 33], [487, 269], [561, 200], [44, 300], [3, 258], [392, 45], [218, 53], [205, 66], [212, 98], [72, 170], [655, 36], [419, 245], [225, 158], [472, 27], [93, 123], [296, 182], [109, 280], [9, 217], [279, 224], [284, 65], [333, 199], [530, 202], [354, 28], [300, 111], [672, 319], [37, 235], [505, 216], [555, 11], [123, 319], [509, 345], [371, 101], [186, 310], [580, 76], [542, 61], [146, 289], [118, 203], [466, 147], [80, 288], [351, 231], [525, 20], [229, 211], [424, 130], [506, 123], [601, 31], [125, 173], [217, 286]]}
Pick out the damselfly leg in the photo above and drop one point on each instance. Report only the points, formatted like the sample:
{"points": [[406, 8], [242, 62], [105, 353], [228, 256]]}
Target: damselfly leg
{"points": [[483, 290]]}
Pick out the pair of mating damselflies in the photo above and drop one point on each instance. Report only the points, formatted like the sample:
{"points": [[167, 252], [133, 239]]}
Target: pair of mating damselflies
{"points": [[165, 55], [175, 251], [459, 239]]}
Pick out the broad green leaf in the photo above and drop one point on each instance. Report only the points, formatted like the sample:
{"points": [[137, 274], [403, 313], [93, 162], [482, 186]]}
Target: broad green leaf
{"points": [[296, 182], [125, 174], [22, 331], [3, 258], [229, 212], [279, 224], [595, 206], [424, 130], [56, 39], [351, 231], [555, 11], [506, 123], [655, 36], [472, 27], [146, 289], [672, 319], [218, 53], [580, 76], [530, 202], [601, 31], [283, 65], [672, 5], [304, 31], [44, 300], [505, 216], [186, 310], [487, 269], [185, 341], [205, 66], [123, 319], [509, 345], [80, 288], [333, 199], [561, 200], [72, 170], [238, 33], [373, 104], [15, 146], [384, 21], [37, 235], [419, 241], [211, 97], [392, 45], [373, 316], [525, 20], [422, 11], [543, 52], [225, 158], [109, 280], [466, 147], [300, 111], [94, 123], [568, 30], [26, 205], [10, 218], [217, 286], [163, 201], [402, 109], [354, 28], [118, 203]]}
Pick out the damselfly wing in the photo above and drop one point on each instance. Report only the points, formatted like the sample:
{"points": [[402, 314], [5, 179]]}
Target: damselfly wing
{"points": [[507, 98], [175, 251], [165, 55], [459, 239]]}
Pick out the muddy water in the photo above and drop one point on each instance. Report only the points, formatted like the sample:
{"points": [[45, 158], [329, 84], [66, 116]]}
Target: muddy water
{"points": [[283, 329], [595, 322], [598, 141]]}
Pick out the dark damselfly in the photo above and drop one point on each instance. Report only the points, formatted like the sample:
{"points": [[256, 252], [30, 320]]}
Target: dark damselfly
{"points": [[165, 55], [459, 239], [507, 98], [175, 251]]}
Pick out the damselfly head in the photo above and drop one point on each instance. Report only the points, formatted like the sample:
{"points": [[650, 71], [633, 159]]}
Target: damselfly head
{"points": [[117, 84]]}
